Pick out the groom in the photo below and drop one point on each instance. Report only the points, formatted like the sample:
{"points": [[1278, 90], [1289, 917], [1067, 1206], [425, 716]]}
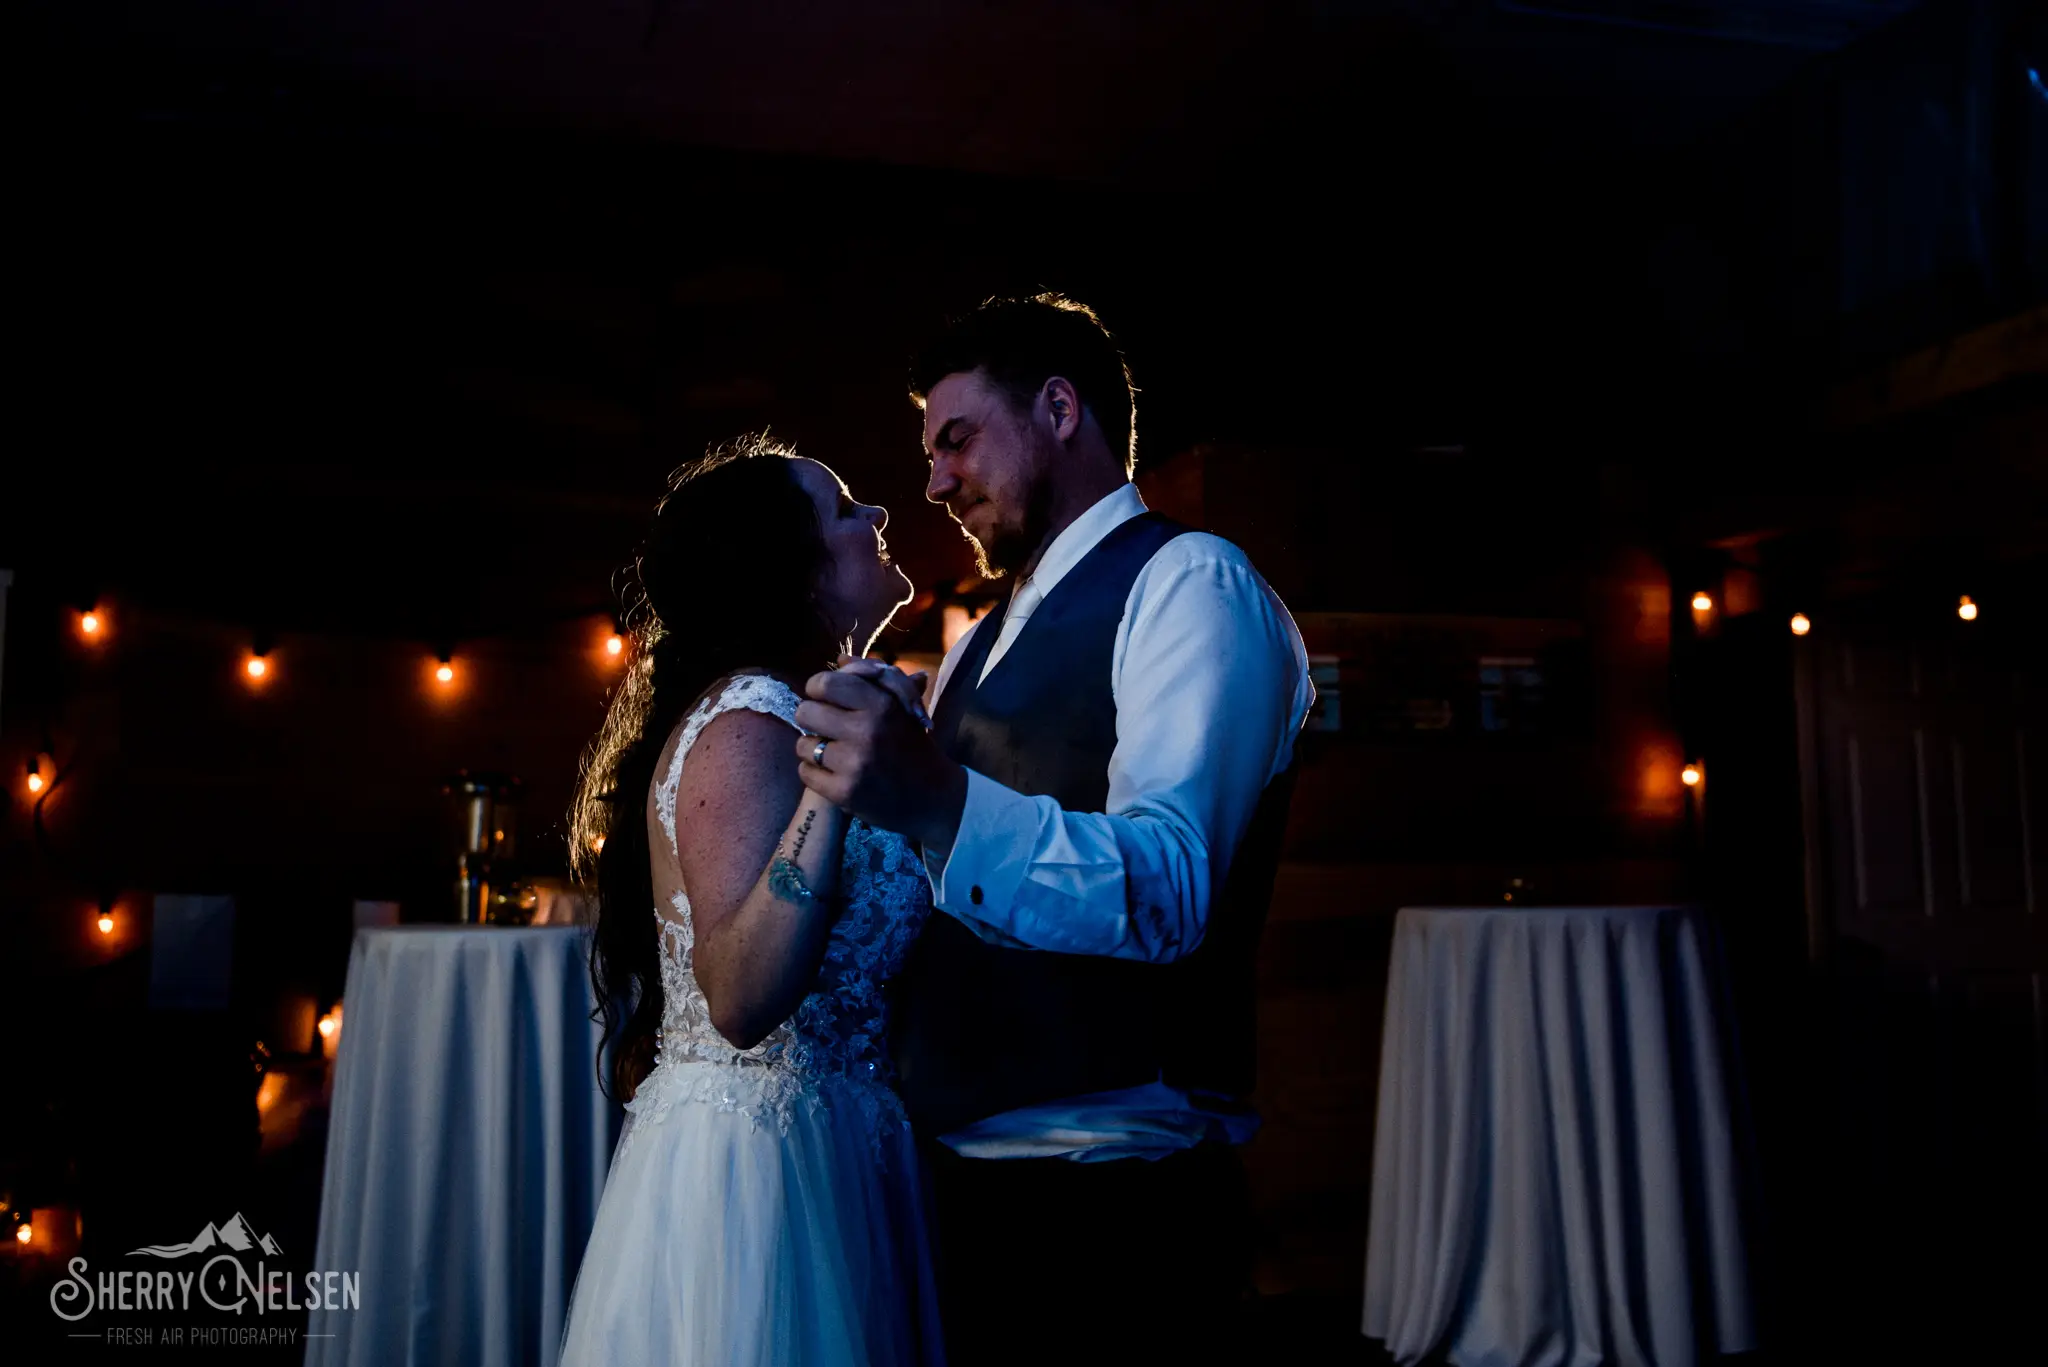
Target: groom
{"points": [[1100, 804]]}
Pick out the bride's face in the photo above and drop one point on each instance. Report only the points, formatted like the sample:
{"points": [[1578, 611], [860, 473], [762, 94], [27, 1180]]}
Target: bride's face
{"points": [[861, 587]]}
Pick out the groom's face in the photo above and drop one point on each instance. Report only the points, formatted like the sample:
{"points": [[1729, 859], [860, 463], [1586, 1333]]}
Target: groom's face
{"points": [[990, 467]]}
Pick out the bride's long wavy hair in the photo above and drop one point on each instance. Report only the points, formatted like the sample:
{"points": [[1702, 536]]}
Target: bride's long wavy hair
{"points": [[726, 581]]}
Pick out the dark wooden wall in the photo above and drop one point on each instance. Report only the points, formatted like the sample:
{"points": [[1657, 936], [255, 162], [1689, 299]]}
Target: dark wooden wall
{"points": [[1405, 567]]}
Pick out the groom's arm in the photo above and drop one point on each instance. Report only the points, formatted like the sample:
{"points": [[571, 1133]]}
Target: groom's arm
{"points": [[1211, 687]]}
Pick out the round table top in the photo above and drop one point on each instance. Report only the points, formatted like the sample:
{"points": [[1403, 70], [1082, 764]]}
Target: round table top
{"points": [[1523, 909], [486, 931]]}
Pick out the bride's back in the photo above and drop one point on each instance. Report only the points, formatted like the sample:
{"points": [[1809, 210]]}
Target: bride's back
{"points": [[837, 1035]]}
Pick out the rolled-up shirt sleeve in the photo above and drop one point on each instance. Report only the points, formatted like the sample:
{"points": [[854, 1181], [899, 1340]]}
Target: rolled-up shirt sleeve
{"points": [[1211, 687]]}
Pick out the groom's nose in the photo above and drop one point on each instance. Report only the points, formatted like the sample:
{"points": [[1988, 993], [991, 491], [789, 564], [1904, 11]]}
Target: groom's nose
{"points": [[943, 484]]}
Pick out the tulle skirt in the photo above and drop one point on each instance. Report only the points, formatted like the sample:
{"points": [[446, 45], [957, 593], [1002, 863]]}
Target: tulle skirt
{"points": [[734, 1235]]}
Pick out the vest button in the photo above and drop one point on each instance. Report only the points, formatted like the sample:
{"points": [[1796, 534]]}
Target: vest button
{"points": [[974, 894]]}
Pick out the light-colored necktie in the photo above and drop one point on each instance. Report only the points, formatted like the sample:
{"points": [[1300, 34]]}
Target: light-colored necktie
{"points": [[1021, 608]]}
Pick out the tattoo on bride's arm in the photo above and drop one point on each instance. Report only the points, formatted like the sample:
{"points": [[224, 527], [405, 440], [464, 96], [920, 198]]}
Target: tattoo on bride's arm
{"points": [[786, 881], [803, 833]]}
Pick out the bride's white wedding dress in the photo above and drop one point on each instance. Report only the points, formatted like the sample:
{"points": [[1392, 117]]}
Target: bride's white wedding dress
{"points": [[763, 1207]]}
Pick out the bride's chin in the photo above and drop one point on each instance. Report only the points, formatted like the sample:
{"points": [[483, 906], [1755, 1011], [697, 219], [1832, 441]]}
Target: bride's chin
{"points": [[898, 592], [871, 624]]}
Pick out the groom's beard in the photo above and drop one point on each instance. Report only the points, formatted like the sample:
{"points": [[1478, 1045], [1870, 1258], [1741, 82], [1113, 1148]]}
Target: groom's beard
{"points": [[1011, 545]]}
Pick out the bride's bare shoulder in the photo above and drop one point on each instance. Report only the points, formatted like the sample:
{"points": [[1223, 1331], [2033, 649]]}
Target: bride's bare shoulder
{"points": [[738, 787], [742, 702], [748, 740]]}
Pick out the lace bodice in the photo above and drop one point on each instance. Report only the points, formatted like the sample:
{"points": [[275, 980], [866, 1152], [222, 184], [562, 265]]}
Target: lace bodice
{"points": [[833, 1048]]}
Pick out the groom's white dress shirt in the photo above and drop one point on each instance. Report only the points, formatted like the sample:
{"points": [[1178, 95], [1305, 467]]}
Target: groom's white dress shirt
{"points": [[1211, 685]]}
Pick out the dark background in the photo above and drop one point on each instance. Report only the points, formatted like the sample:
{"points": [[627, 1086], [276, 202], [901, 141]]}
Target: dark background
{"points": [[1487, 328]]}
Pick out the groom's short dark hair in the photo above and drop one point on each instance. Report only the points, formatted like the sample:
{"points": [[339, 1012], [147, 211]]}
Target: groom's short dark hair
{"points": [[1022, 343]]}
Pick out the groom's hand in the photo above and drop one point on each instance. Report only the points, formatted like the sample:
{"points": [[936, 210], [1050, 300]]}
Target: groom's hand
{"points": [[880, 763]]}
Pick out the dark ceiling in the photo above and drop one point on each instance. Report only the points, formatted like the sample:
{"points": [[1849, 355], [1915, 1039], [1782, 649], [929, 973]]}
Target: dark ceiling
{"points": [[390, 316], [1154, 91]]}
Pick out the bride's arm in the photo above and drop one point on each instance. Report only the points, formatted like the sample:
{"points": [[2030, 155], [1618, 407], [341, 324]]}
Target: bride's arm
{"points": [[741, 812]]}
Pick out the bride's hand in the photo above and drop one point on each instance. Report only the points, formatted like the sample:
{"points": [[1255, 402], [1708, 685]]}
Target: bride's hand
{"points": [[907, 689]]}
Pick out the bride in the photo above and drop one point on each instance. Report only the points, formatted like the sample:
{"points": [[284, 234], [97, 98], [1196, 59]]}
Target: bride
{"points": [[763, 1205]]}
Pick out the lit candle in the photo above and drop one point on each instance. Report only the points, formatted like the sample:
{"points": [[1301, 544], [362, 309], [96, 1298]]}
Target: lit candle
{"points": [[330, 1032]]}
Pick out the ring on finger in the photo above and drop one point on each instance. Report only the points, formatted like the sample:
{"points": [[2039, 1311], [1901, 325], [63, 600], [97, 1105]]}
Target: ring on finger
{"points": [[818, 753]]}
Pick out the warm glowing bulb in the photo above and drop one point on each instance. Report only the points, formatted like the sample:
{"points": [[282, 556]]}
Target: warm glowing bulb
{"points": [[257, 667], [89, 623], [1702, 602], [613, 645], [1966, 609], [35, 782], [106, 924], [326, 1027], [1691, 775], [598, 844], [446, 674], [24, 1235], [1801, 624]]}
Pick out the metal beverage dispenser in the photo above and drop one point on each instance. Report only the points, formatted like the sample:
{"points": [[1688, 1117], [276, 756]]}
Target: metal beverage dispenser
{"points": [[487, 885]]}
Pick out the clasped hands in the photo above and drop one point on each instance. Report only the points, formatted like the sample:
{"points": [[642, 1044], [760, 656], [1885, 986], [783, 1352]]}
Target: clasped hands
{"points": [[880, 761]]}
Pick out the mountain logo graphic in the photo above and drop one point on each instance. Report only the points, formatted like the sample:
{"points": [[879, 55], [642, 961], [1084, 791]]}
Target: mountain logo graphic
{"points": [[235, 1233]]}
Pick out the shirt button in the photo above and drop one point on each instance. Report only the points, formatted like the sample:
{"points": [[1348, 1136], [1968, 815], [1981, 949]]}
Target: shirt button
{"points": [[974, 894]]}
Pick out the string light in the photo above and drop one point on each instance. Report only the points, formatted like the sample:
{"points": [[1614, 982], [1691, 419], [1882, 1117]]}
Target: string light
{"points": [[1801, 624], [106, 924], [326, 1027], [1967, 610], [1702, 602], [614, 644], [24, 1234], [91, 624], [1691, 775], [35, 777], [256, 666], [597, 844], [444, 673]]}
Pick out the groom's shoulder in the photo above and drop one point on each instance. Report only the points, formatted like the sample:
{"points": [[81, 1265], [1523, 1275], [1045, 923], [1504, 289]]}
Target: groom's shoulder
{"points": [[1219, 564], [1195, 548]]}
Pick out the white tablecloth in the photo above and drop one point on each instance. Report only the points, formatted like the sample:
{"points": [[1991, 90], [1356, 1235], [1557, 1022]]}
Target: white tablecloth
{"points": [[1555, 1169], [466, 1150]]}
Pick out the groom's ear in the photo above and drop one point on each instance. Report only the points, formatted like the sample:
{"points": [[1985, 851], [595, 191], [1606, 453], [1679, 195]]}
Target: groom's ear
{"points": [[1062, 407]]}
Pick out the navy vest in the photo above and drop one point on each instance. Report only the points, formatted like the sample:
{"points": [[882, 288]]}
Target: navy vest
{"points": [[981, 1029]]}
